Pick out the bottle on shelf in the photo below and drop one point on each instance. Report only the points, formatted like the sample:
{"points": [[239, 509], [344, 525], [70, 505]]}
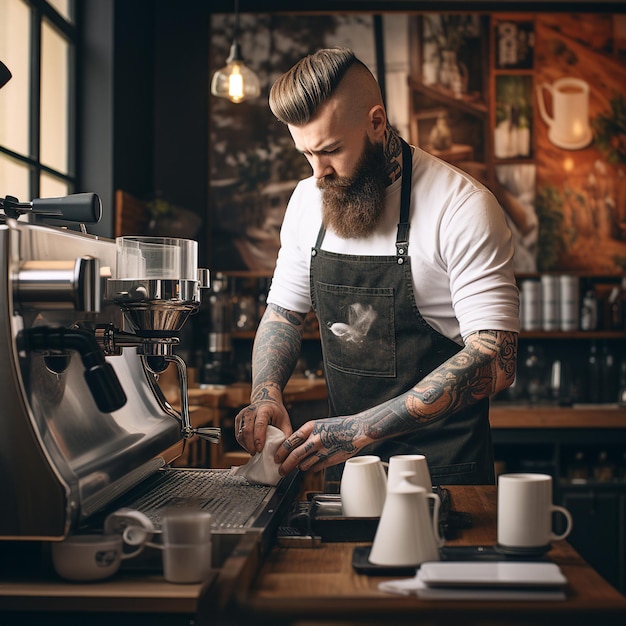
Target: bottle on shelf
{"points": [[610, 375], [578, 469], [594, 375], [217, 368], [615, 305], [589, 311], [621, 394], [533, 373], [603, 469]]}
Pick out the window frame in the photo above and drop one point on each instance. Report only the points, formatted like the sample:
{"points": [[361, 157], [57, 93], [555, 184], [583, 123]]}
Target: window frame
{"points": [[40, 11]]}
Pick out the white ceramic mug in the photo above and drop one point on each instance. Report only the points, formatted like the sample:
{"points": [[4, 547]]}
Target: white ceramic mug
{"points": [[569, 123], [89, 557], [415, 463], [406, 535], [525, 512], [363, 486]]}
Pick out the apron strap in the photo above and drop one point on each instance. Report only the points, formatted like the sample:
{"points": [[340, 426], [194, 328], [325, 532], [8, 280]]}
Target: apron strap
{"points": [[402, 237]]}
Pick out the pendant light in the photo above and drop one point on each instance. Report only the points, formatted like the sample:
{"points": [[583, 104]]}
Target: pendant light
{"points": [[236, 81]]}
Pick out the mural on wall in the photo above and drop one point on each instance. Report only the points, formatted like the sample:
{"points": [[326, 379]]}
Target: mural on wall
{"points": [[541, 120], [254, 166], [581, 143], [545, 128]]}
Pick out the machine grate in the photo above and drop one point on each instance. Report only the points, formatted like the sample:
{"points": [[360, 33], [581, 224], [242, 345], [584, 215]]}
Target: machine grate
{"points": [[231, 500]]}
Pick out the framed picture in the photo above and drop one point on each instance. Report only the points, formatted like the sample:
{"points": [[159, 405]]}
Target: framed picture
{"points": [[515, 45], [512, 135]]}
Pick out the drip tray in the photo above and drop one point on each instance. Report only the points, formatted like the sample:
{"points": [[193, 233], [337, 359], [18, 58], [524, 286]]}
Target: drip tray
{"points": [[237, 507], [233, 502]]}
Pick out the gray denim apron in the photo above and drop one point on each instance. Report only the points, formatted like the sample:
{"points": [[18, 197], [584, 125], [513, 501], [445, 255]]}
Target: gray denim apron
{"points": [[376, 346]]}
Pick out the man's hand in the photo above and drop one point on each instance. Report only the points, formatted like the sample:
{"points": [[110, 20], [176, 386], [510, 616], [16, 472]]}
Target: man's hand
{"points": [[321, 443], [251, 423]]}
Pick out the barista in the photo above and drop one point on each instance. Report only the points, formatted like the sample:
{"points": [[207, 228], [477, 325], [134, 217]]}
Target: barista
{"points": [[407, 262]]}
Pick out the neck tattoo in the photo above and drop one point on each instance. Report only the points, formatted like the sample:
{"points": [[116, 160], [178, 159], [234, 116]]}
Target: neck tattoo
{"points": [[393, 150]]}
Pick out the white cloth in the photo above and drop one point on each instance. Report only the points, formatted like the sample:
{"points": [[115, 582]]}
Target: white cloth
{"points": [[460, 247], [261, 468]]}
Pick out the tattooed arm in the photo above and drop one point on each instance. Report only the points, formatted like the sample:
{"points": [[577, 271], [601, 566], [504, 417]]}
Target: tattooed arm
{"points": [[274, 356], [483, 367]]}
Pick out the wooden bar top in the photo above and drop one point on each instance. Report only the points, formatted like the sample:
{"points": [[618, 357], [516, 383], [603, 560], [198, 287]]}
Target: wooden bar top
{"points": [[318, 584]]}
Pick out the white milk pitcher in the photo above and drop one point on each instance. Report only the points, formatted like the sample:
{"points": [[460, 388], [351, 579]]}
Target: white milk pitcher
{"points": [[406, 534]]}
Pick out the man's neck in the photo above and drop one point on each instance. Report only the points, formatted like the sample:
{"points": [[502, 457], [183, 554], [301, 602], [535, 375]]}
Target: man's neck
{"points": [[393, 154]]}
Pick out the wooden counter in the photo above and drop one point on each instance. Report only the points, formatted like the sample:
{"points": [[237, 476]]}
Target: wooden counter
{"points": [[314, 585], [307, 586]]}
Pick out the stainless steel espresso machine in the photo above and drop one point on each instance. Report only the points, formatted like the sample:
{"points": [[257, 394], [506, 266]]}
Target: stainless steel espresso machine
{"points": [[86, 326]]}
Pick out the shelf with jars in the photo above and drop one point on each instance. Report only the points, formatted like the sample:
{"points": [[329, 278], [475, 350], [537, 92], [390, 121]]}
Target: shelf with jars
{"points": [[236, 305]]}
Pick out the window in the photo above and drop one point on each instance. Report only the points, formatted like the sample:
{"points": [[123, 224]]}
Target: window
{"points": [[37, 44]]}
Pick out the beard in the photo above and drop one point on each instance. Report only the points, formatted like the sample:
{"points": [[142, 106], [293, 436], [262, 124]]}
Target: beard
{"points": [[353, 206]]}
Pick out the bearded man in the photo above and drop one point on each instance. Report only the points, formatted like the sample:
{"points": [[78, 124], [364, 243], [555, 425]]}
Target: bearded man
{"points": [[407, 262]]}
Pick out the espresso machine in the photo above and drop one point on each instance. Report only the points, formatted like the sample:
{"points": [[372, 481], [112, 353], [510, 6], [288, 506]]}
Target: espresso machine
{"points": [[87, 326]]}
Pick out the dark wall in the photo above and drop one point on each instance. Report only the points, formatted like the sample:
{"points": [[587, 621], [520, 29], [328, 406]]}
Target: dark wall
{"points": [[181, 103], [143, 88]]}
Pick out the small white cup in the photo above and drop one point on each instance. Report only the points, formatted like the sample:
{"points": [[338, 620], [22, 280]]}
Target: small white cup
{"points": [[525, 512], [89, 557], [363, 486], [415, 463], [186, 544]]}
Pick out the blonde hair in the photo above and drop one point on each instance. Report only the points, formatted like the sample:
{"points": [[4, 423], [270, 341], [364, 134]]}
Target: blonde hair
{"points": [[299, 92]]}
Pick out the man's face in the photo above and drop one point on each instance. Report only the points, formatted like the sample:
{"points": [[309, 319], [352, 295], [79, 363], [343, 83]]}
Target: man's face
{"points": [[349, 168]]}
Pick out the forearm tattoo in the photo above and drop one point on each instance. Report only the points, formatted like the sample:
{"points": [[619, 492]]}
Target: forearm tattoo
{"points": [[485, 365], [276, 349]]}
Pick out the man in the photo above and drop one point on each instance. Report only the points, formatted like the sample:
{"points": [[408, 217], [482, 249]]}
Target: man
{"points": [[407, 263]]}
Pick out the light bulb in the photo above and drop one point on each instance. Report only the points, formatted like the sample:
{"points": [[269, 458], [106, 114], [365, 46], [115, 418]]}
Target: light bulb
{"points": [[235, 84], [236, 81]]}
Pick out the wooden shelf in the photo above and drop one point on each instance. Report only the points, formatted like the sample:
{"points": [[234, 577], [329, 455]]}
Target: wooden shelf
{"points": [[592, 416], [576, 334], [469, 103]]}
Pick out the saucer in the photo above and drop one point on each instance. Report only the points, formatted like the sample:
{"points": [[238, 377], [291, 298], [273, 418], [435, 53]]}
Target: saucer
{"points": [[571, 145], [534, 551]]}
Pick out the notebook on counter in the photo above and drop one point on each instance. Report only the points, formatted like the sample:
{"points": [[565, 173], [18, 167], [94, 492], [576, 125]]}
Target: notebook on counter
{"points": [[462, 580]]}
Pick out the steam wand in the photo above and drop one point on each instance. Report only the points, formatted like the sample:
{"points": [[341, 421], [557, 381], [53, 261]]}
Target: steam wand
{"points": [[210, 433]]}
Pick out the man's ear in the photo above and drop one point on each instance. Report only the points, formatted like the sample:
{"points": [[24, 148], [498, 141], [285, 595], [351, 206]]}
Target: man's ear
{"points": [[378, 122]]}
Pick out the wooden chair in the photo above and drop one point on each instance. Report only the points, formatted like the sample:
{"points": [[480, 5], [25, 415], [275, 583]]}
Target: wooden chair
{"points": [[131, 215]]}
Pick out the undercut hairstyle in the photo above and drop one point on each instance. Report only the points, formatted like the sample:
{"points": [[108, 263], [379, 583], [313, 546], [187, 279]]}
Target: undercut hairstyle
{"points": [[298, 93]]}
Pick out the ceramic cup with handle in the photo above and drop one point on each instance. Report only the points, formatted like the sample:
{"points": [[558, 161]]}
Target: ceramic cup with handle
{"points": [[89, 557], [415, 463], [525, 511], [406, 534], [363, 486]]}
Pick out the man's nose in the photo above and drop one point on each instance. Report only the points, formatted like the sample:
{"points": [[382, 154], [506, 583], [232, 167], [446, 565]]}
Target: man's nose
{"points": [[321, 167]]}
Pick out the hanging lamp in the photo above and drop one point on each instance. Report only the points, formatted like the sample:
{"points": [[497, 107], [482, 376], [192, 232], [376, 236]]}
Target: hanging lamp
{"points": [[235, 81]]}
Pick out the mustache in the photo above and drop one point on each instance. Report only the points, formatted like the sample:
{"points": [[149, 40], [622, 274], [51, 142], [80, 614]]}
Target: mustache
{"points": [[335, 182]]}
